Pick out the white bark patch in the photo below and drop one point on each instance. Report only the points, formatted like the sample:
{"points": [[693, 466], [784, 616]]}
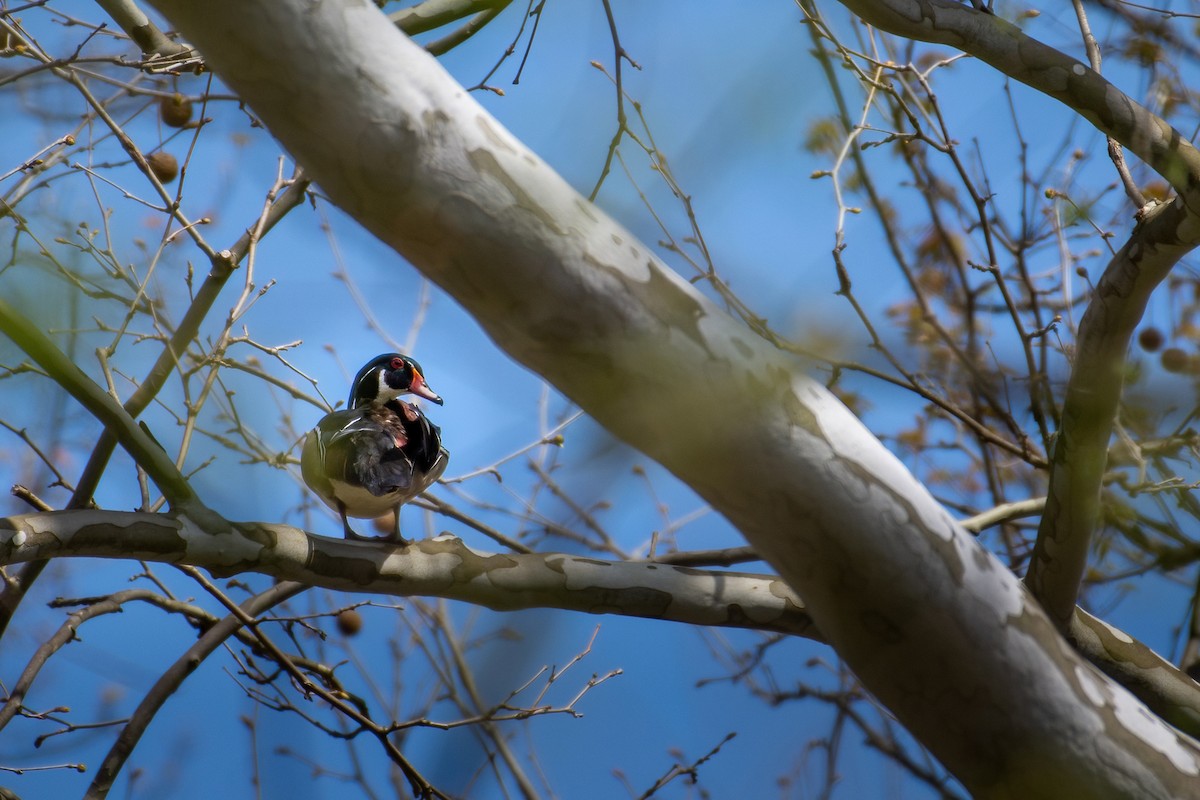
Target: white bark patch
{"points": [[1137, 720], [1078, 69], [988, 578], [1116, 633], [219, 549], [850, 440], [1090, 686]]}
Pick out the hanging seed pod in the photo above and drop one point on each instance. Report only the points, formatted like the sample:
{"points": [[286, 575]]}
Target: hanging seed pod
{"points": [[175, 111], [164, 166]]}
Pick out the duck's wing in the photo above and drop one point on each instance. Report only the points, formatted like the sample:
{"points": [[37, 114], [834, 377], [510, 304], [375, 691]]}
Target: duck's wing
{"points": [[424, 446], [358, 449]]}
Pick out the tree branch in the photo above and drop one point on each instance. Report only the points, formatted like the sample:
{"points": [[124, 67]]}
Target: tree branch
{"points": [[144, 33], [175, 675], [1158, 683], [442, 567], [1080, 455], [447, 568]]}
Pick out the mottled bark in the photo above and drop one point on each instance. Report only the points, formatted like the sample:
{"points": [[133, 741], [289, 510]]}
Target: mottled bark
{"points": [[442, 567]]}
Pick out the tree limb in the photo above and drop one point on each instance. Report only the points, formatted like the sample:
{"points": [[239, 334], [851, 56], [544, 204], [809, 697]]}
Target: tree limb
{"points": [[35, 344], [144, 33], [1080, 455], [447, 568], [442, 567]]}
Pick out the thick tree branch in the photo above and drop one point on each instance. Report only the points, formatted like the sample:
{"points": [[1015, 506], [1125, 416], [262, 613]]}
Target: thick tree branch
{"points": [[442, 567], [141, 29], [447, 568], [1157, 682]]}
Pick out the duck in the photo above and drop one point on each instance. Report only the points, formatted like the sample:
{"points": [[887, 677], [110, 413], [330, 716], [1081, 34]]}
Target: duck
{"points": [[380, 451]]}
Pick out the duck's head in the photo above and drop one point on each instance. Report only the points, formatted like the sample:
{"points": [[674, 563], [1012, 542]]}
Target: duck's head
{"points": [[386, 377]]}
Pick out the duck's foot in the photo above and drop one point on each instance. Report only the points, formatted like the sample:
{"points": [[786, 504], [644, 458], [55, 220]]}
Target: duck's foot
{"points": [[391, 538]]}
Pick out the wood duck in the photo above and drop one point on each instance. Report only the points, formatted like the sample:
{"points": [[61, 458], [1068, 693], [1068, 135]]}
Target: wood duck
{"points": [[380, 451]]}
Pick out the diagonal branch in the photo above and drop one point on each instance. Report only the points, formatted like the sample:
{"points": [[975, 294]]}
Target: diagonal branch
{"points": [[173, 678], [29, 337], [223, 264], [145, 34]]}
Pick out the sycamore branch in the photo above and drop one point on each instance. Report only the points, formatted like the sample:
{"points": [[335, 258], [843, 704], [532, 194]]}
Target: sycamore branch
{"points": [[442, 567], [145, 34], [1080, 455], [445, 567]]}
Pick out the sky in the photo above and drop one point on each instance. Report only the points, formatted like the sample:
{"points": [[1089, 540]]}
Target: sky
{"points": [[729, 98]]}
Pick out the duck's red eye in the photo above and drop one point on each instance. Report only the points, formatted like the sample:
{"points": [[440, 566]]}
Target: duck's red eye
{"points": [[397, 363]]}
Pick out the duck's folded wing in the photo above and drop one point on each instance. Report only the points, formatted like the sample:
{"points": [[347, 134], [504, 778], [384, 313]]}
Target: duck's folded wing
{"points": [[370, 459], [424, 441], [348, 448]]}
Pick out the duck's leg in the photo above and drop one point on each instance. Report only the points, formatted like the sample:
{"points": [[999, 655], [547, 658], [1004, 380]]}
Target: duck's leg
{"points": [[351, 534], [395, 536], [346, 529]]}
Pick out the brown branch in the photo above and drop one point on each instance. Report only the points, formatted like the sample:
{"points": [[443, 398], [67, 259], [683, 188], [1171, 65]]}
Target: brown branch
{"points": [[171, 680], [64, 635], [420, 786], [1114, 147]]}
